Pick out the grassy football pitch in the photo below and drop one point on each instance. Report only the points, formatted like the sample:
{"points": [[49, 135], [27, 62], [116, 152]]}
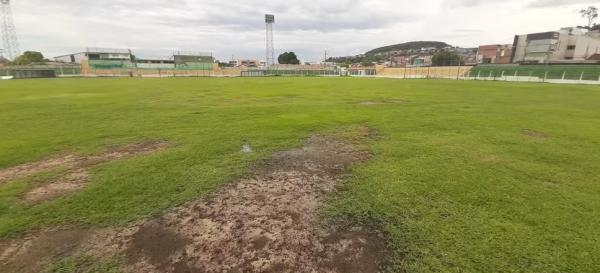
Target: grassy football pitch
{"points": [[465, 176]]}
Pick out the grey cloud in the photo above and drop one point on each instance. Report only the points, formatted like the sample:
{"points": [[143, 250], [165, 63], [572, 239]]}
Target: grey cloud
{"points": [[454, 4], [237, 26], [326, 16], [558, 3]]}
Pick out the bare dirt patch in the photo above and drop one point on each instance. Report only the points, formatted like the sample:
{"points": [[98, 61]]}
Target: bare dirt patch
{"points": [[32, 253], [362, 132], [156, 243], [48, 190], [264, 223], [78, 174], [78, 167], [380, 102], [28, 169], [534, 134], [120, 152], [343, 257]]}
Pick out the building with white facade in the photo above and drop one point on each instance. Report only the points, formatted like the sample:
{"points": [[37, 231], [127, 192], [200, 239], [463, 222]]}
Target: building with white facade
{"points": [[96, 54], [568, 45]]}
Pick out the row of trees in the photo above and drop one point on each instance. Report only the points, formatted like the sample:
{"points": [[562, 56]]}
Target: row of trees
{"points": [[288, 58], [29, 57]]}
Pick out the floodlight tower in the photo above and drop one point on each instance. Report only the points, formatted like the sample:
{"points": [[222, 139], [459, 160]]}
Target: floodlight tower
{"points": [[270, 20], [8, 32]]}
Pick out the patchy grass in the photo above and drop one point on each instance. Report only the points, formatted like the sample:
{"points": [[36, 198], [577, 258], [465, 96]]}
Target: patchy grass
{"points": [[85, 264], [460, 178]]}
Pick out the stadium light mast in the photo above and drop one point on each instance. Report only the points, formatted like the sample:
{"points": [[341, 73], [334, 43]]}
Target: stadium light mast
{"points": [[270, 58], [8, 31]]}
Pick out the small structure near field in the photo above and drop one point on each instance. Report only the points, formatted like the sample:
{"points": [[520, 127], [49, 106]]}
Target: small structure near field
{"points": [[123, 62], [96, 54]]}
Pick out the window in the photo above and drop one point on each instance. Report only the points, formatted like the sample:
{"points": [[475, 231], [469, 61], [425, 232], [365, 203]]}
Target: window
{"points": [[571, 47]]}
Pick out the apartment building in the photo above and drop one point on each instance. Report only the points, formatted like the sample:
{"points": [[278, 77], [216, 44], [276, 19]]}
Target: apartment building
{"points": [[494, 54], [567, 45]]}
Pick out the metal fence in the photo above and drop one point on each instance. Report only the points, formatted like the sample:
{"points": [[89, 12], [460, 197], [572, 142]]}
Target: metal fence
{"points": [[59, 71], [155, 72], [583, 73], [290, 72], [579, 74]]}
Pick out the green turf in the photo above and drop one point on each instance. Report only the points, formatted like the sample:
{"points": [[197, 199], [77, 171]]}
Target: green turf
{"points": [[455, 180], [567, 72]]}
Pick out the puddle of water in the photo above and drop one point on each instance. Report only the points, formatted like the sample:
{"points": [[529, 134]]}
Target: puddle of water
{"points": [[247, 148]]}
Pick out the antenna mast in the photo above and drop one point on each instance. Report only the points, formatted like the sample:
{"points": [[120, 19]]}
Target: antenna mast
{"points": [[8, 32]]}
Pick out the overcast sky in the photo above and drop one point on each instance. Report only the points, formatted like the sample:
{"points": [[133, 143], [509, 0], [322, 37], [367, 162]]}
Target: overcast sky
{"points": [[236, 27]]}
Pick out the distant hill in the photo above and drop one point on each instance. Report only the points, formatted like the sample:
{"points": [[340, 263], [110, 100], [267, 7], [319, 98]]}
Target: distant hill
{"points": [[407, 46], [376, 55]]}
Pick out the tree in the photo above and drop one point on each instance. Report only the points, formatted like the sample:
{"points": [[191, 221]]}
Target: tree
{"points": [[29, 57], [591, 14], [223, 64], [446, 58], [288, 58]]}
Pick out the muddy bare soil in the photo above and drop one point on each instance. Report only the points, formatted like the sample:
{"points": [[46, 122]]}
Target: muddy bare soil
{"points": [[29, 255], [264, 223], [36, 167]]}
